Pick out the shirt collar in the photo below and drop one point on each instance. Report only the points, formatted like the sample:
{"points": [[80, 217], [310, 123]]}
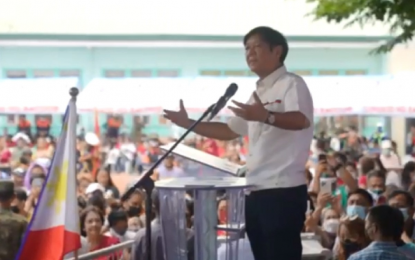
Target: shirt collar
{"points": [[269, 80], [385, 245]]}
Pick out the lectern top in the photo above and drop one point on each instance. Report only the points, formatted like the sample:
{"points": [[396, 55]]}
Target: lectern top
{"points": [[202, 158], [202, 183]]}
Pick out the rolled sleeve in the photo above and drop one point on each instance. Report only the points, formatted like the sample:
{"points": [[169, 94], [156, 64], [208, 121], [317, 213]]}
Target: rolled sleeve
{"points": [[298, 98], [238, 125]]}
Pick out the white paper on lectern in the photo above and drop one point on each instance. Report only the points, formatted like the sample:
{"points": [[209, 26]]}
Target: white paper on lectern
{"points": [[198, 163]]}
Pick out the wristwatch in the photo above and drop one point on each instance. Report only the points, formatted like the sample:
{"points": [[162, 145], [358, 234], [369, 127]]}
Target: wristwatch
{"points": [[270, 118]]}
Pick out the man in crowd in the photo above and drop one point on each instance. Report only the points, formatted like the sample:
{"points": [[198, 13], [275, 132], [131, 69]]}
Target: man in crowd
{"points": [[12, 225], [384, 225]]}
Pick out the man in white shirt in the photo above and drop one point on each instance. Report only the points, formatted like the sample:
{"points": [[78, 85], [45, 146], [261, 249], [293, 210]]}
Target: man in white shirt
{"points": [[278, 120]]}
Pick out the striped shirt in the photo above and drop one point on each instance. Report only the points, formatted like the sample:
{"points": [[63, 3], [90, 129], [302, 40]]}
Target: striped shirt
{"points": [[380, 251]]}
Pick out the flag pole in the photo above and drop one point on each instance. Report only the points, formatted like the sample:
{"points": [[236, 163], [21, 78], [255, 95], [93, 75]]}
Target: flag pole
{"points": [[74, 94]]}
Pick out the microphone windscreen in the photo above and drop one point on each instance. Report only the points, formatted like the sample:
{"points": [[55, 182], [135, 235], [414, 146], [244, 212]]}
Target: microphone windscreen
{"points": [[231, 90]]}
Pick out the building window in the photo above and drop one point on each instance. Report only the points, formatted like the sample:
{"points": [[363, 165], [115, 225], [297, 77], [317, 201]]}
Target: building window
{"points": [[12, 119], [215, 73], [236, 73], [114, 74], [141, 73], [69, 73], [303, 72], [328, 72], [355, 72], [167, 73], [142, 119], [16, 74], [43, 73]]}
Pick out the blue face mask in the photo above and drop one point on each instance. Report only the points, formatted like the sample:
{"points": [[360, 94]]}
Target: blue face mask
{"points": [[404, 213], [356, 210]]}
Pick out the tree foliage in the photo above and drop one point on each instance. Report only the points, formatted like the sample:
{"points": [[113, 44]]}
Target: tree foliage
{"points": [[399, 15]]}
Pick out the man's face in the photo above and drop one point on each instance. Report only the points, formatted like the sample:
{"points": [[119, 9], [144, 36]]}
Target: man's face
{"points": [[376, 183], [358, 200], [18, 180], [400, 202], [168, 162], [259, 55]]}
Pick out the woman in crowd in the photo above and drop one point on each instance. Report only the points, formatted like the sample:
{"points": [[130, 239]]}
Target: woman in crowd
{"points": [[103, 177], [35, 169], [92, 219], [352, 237]]}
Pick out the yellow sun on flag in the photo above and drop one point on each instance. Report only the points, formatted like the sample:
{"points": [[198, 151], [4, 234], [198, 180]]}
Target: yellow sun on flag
{"points": [[57, 186]]}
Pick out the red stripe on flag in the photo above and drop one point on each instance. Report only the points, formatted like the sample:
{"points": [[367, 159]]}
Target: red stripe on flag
{"points": [[49, 244]]}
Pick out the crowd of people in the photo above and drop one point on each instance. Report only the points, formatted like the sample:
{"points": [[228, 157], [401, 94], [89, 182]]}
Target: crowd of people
{"points": [[361, 193]]}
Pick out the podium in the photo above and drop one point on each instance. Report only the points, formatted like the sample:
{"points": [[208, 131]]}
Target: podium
{"points": [[205, 175], [173, 221], [196, 163]]}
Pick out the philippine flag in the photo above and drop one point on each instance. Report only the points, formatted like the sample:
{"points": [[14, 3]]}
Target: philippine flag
{"points": [[54, 228]]}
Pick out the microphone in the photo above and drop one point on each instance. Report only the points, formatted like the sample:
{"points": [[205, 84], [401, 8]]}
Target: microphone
{"points": [[230, 91]]}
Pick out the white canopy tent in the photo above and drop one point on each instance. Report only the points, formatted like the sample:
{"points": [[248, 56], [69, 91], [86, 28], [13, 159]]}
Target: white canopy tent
{"points": [[129, 95], [35, 96], [356, 95]]}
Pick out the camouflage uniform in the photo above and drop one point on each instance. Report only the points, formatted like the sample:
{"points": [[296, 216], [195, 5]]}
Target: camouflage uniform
{"points": [[12, 227]]}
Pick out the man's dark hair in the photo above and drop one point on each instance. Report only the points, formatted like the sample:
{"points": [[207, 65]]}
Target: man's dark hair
{"points": [[408, 198], [388, 220], [270, 36], [21, 194], [24, 160], [117, 215], [376, 173], [364, 193]]}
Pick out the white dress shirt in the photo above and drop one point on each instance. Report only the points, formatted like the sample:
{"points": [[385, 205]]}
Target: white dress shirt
{"points": [[277, 157]]}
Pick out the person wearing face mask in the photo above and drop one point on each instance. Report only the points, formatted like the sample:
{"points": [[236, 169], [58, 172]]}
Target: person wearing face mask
{"points": [[134, 224], [133, 205], [352, 237], [330, 225], [388, 158], [376, 180], [384, 226], [403, 201], [358, 203], [118, 223]]}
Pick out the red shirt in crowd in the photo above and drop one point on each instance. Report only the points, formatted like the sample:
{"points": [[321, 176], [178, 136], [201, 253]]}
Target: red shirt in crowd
{"points": [[107, 241], [5, 156]]}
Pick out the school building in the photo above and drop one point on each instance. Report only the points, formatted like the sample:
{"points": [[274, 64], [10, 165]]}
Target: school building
{"points": [[180, 38]]}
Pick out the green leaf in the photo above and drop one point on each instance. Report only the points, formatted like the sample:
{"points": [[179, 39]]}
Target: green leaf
{"points": [[399, 15]]}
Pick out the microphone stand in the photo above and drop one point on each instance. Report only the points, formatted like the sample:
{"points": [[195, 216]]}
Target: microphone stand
{"points": [[147, 183]]}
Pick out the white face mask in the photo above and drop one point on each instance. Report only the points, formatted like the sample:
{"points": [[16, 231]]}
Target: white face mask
{"points": [[331, 225]]}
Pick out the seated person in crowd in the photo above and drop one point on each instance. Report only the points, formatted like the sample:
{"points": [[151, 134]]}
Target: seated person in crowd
{"points": [[92, 221], [352, 237], [403, 201], [118, 224], [358, 203], [376, 180], [384, 226]]}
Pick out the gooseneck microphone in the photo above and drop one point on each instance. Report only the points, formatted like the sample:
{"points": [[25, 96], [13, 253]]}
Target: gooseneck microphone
{"points": [[230, 91]]}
